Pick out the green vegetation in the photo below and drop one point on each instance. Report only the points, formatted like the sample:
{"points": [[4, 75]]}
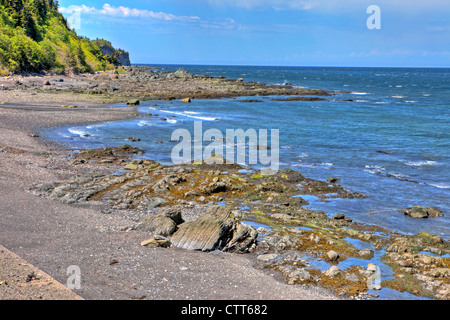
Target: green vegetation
{"points": [[35, 37], [112, 55], [258, 176]]}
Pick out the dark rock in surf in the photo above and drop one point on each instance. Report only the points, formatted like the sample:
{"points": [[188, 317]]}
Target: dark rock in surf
{"points": [[133, 102], [418, 212], [300, 99]]}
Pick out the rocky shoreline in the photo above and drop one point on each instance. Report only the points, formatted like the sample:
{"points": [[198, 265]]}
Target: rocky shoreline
{"points": [[136, 83], [223, 207]]}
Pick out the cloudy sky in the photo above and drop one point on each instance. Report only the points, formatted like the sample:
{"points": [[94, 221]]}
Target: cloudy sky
{"points": [[414, 33]]}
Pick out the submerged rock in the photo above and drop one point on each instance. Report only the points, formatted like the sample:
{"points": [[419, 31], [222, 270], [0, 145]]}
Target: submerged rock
{"points": [[421, 213], [300, 99], [333, 180], [133, 139], [434, 212]]}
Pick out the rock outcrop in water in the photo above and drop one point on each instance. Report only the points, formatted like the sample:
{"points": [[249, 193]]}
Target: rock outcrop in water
{"points": [[421, 213]]}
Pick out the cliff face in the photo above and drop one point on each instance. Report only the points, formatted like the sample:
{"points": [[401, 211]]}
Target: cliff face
{"points": [[35, 37], [114, 56], [124, 58]]}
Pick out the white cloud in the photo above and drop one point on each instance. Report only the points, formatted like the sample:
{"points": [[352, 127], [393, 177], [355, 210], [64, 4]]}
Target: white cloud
{"points": [[124, 12]]}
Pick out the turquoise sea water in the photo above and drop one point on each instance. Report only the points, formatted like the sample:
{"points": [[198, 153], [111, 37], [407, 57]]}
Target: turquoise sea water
{"points": [[391, 143]]}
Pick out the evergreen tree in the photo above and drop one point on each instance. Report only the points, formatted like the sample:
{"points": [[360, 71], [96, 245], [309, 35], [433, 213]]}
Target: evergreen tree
{"points": [[34, 37], [27, 22]]}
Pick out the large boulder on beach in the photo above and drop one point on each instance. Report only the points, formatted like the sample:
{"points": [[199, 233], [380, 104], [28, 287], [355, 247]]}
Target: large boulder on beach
{"points": [[215, 230], [418, 212], [181, 73], [133, 102], [163, 223]]}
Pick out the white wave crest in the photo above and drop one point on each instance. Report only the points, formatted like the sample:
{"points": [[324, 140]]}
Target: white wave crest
{"points": [[79, 132], [359, 93], [419, 163], [143, 123], [440, 186], [185, 114]]}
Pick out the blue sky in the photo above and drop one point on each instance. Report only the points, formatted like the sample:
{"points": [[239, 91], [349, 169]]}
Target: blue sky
{"points": [[414, 33]]}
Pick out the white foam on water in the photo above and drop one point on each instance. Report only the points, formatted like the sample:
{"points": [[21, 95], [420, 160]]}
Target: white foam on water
{"points": [[374, 166], [78, 132], [304, 165], [358, 93], [420, 163], [440, 186], [143, 123], [397, 175], [185, 114], [300, 87], [94, 126]]}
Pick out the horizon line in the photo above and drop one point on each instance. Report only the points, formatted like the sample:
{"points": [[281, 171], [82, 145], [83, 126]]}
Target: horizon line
{"points": [[288, 66]]}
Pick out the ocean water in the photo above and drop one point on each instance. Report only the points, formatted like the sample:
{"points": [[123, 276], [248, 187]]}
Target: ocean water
{"points": [[391, 143]]}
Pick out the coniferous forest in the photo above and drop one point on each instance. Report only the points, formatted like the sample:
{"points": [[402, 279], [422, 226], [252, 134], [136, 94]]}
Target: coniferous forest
{"points": [[35, 37]]}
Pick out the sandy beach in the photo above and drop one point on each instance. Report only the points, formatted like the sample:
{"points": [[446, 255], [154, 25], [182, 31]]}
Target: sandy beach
{"points": [[52, 236]]}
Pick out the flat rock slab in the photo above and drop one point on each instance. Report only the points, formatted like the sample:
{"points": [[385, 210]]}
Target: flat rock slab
{"points": [[211, 231]]}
